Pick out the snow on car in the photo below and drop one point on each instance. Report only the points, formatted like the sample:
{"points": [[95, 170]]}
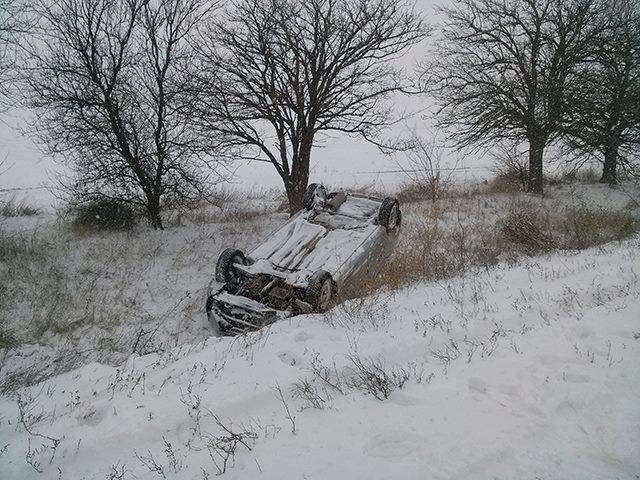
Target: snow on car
{"points": [[334, 240]]}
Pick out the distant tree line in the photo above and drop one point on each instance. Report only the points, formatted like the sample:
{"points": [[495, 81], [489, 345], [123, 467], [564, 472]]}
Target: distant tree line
{"points": [[147, 100]]}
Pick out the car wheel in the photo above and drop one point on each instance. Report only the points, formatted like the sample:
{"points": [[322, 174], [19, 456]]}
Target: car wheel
{"points": [[315, 195], [224, 268], [389, 215], [320, 291]]}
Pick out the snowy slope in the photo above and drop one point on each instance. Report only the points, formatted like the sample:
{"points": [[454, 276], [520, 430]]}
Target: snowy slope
{"points": [[516, 372]]}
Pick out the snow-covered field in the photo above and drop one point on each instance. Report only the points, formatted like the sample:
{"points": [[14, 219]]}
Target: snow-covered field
{"points": [[526, 369]]}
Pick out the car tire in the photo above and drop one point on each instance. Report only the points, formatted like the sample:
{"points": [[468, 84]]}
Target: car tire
{"points": [[315, 195], [320, 291], [389, 215], [224, 268]]}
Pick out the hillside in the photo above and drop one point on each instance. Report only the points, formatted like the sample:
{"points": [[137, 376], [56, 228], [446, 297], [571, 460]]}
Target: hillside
{"points": [[503, 362]]}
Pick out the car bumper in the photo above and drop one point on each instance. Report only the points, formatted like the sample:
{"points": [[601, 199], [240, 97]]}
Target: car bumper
{"points": [[234, 314]]}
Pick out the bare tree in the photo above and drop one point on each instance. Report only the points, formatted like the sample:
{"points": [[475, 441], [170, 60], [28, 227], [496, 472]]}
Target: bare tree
{"points": [[606, 97], [276, 73], [107, 80], [502, 68]]}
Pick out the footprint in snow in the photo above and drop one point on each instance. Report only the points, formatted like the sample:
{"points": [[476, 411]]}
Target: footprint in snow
{"points": [[288, 358], [477, 385], [303, 336], [92, 415]]}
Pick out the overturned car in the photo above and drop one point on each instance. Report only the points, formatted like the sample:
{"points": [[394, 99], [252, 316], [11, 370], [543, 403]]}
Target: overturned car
{"points": [[335, 240]]}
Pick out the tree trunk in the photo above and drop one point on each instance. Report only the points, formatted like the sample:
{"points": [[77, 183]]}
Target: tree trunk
{"points": [[609, 171], [294, 195], [295, 186], [536, 151], [154, 212], [296, 183]]}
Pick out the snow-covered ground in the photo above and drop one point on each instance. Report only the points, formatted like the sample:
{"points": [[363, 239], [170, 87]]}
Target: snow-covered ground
{"points": [[525, 370]]}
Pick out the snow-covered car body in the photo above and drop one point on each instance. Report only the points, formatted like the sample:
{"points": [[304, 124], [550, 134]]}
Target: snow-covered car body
{"points": [[300, 267]]}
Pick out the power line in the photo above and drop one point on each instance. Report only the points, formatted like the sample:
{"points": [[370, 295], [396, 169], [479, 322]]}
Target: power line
{"points": [[17, 189], [418, 170]]}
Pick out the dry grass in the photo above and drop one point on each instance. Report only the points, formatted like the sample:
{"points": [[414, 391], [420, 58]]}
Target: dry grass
{"points": [[587, 226], [505, 183], [462, 234], [412, 192], [12, 207], [432, 247], [526, 228], [585, 175], [101, 296], [206, 215], [22, 259], [87, 295]]}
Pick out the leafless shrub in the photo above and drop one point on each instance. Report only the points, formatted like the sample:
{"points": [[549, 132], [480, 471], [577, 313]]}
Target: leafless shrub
{"points": [[190, 400], [102, 214], [310, 394], [575, 227], [27, 419], [449, 353], [525, 227], [143, 343], [370, 376], [290, 417], [222, 448], [174, 458], [152, 465], [326, 374], [117, 472], [486, 346], [511, 170], [423, 166]]}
